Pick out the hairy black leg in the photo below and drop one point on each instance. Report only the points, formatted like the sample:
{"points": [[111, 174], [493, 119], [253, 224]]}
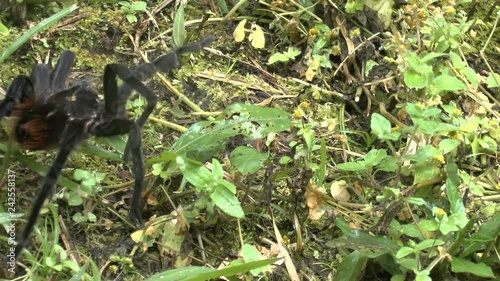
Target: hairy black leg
{"points": [[40, 77], [111, 98], [135, 141], [47, 82], [20, 90], [162, 63], [71, 137], [60, 74], [120, 126]]}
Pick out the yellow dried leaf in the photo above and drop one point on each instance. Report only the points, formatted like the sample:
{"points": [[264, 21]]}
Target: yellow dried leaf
{"points": [[314, 200], [257, 37], [338, 190], [137, 236], [239, 32], [312, 69]]}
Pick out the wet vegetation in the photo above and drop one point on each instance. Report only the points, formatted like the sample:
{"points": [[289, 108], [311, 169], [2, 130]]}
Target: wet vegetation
{"points": [[313, 140]]}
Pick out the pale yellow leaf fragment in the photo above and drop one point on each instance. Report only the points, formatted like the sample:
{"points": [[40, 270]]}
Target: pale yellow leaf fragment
{"points": [[338, 190], [257, 37], [239, 31], [312, 70]]}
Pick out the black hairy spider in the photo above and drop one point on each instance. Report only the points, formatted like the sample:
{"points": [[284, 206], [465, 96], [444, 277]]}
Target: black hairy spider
{"points": [[50, 114]]}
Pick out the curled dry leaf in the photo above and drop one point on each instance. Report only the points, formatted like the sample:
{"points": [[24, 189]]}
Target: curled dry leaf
{"points": [[314, 200], [338, 190]]}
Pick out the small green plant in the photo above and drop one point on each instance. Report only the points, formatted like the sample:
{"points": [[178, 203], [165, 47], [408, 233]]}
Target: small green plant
{"points": [[205, 139], [132, 8]]}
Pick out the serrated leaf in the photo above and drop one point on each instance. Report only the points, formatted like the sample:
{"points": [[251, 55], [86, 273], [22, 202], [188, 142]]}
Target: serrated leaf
{"points": [[227, 202], [413, 60], [448, 83], [290, 54], [448, 145], [239, 31], [247, 160], [278, 57], [413, 79]]}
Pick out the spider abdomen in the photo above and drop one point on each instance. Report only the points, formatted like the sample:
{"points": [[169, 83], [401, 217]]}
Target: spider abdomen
{"points": [[39, 128]]}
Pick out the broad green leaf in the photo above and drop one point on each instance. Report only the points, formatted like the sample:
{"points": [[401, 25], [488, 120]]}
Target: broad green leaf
{"points": [[227, 201], [452, 184], [139, 5], [390, 164], [250, 253], [459, 265], [428, 243], [404, 251], [351, 166], [426, 172], [221, 192], [448, 83], [290, 54], [204, 139], [4, 31], [493, 80], [247, 160], [488, 232], [448, 145], [278, 57], [415, 201], [381, 127], [351, 267], [413, 79], [356, 239], [413, 61], [199, 176], [374, 157]]}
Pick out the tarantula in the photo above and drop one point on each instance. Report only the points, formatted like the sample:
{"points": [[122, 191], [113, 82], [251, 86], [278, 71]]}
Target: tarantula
{"points": [[50, 114]]}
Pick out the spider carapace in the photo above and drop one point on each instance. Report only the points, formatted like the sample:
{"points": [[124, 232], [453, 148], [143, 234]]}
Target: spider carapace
{"points": [[49, 114]]}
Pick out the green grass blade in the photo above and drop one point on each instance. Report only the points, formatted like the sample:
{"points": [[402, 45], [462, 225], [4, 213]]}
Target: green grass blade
{"points": [[41, 26]]}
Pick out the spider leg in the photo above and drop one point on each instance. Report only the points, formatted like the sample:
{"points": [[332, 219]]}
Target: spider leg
{"points": [[20, 91], [60, 74], [117, 125], [162, 63], [46, 82], [40, 77], [120, 126], [71, 137], [113, 102]]}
